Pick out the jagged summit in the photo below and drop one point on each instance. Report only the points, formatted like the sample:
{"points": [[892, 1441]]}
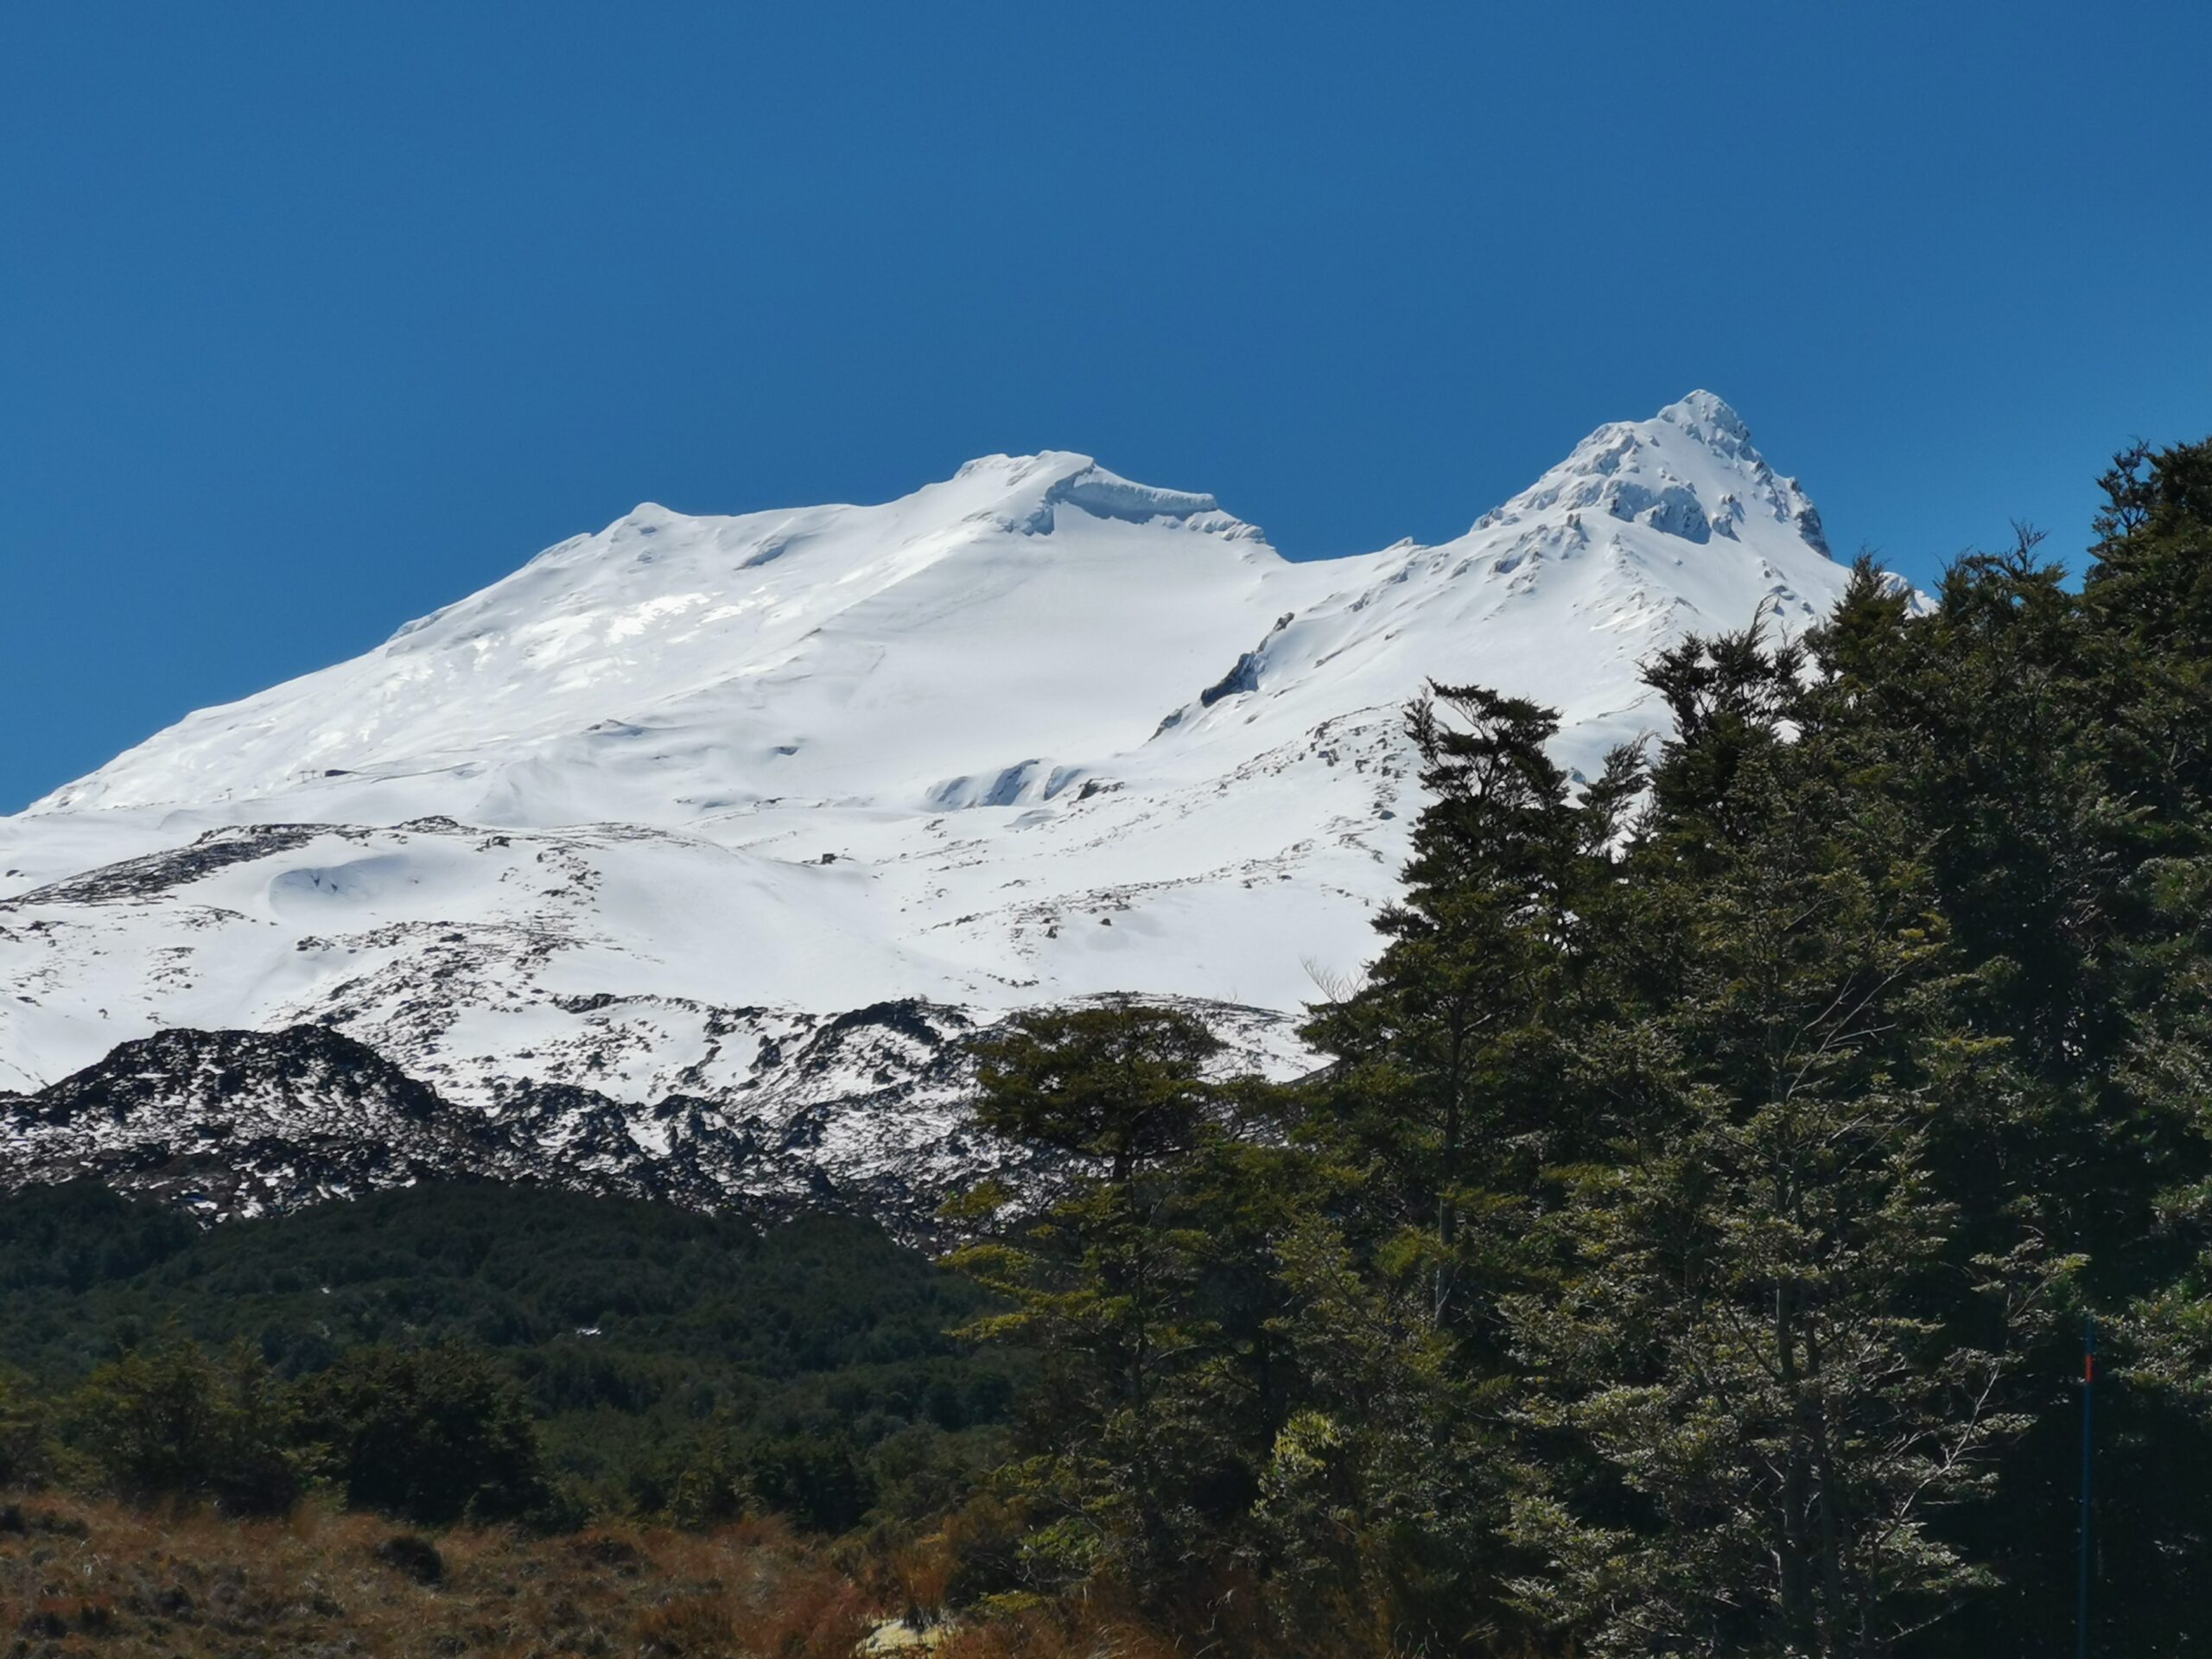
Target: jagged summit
{"points": [[1708, 417], [1691, 471], [649, 816]]}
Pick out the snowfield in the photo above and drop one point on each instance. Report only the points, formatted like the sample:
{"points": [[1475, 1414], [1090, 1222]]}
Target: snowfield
{"points": [[646, 819]]}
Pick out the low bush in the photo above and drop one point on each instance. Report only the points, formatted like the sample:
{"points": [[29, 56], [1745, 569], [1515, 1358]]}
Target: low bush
{"points": [[433, 1433], [174, 1422]]}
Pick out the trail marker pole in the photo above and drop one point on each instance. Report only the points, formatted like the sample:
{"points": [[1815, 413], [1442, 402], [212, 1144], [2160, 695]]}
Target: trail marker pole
{"points": [[2088, 1447]]}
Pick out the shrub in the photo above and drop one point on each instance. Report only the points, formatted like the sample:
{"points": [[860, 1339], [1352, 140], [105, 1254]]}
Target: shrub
{"points": [[433, 1433], [177, 1421], [417, 1558], [817, 1480], [26, 1457], [983, 1543]]}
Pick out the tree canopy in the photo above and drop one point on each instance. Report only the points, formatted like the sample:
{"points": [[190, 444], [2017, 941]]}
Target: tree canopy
{"points": [[1685, 1248]]}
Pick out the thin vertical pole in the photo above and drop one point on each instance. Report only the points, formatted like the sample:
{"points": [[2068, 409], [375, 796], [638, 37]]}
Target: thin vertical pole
{"points": [[2088, 1446]]}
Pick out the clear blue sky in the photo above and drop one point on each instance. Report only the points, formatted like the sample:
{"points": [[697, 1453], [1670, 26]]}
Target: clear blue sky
{"points": [[314, 317]]}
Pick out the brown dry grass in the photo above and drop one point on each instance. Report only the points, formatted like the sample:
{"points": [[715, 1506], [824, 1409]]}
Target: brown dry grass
{"points": [[1062, 1632], [85, 1577]]}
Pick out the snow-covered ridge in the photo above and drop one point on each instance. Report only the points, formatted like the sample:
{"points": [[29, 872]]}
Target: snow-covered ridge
{"points": [[1034, 732]]}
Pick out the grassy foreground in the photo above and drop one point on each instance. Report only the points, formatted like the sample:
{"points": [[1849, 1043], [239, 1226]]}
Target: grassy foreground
{"points": [[91, 1576], [81, 1576]]}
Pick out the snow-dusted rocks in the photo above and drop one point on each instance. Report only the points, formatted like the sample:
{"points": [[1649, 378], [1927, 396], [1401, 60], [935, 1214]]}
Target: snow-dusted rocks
{"points": [[671, 816]]}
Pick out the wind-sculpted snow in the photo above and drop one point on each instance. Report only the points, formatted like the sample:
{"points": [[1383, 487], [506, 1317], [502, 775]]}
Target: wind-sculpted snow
{"points": [[644, 820]]}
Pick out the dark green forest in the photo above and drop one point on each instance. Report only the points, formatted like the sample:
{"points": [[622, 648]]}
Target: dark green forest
{"points": [[495, 1352], [1685, 1249]]}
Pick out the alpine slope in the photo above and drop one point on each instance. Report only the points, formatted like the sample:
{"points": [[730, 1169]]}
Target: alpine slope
{"points": [[681, 859]]}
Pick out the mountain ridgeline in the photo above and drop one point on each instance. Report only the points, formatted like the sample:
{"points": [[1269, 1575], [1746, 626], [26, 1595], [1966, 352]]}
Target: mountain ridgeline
{"points": [[629, 853]]}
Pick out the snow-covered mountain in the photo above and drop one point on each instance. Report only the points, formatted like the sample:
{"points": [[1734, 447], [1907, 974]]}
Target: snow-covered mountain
{"points": [[680, 810]]}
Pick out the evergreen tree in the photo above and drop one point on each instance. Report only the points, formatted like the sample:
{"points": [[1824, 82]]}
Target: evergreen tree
{"points": [[1376, 1521], [1773, 1342], [1105, 1286], [1121, 1083], [1682, 1253], [1445, 1058]]}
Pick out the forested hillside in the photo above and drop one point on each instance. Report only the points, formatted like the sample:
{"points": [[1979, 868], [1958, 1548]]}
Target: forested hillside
{"points": [[615, 1356]]}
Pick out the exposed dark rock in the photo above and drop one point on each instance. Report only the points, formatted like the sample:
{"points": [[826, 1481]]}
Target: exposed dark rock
{"points": [[1244, 677], [865, 1112], [156, 873]]}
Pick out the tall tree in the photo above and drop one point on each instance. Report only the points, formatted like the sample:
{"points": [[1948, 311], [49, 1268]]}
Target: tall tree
{"points": [[1446, 1055], [1774, 1342], [1105, 1286]]}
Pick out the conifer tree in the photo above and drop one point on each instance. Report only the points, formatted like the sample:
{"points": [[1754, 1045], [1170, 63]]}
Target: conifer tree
{"points": [[1105, 1286], [1122, 1083], [1673, 1258], [1772, 1340], [1445, 1058]]}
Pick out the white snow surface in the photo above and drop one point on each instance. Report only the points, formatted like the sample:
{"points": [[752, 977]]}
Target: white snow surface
{"points": [[1031, 733]]}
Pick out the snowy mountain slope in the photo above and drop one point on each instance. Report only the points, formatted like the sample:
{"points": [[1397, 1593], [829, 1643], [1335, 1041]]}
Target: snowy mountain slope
{"points": [[674, 796], [865, 652]]}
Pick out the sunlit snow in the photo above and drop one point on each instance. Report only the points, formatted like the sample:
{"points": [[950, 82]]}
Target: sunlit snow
{"points": [[1032, 733]]}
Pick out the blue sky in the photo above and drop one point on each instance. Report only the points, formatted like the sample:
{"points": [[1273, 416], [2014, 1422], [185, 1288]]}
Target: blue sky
{"points": [[313, 318]]}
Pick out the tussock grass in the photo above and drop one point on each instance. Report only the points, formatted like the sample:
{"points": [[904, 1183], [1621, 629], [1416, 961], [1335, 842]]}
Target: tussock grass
{"points": [[82, 1576]]}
